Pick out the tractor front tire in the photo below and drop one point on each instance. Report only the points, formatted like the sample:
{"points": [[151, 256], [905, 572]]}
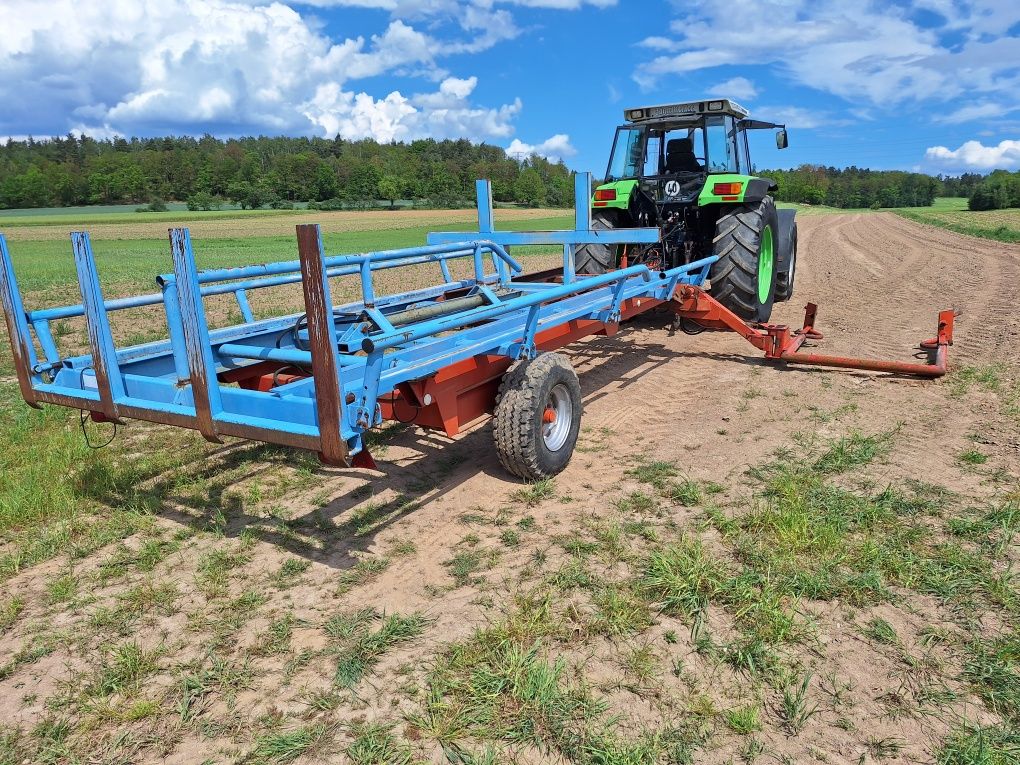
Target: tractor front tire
{"points": [[744, 277], [594, 259], [538, 416]]}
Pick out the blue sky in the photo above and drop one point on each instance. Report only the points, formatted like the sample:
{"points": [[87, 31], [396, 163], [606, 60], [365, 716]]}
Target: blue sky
{"points": [[931, 85]]}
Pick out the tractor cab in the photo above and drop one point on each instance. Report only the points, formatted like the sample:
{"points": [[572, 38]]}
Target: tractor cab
{"points": [[669, 151], [685, 168]]}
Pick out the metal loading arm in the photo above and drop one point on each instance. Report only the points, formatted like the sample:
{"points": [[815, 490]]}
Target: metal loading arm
{"points": [[780, 343]]}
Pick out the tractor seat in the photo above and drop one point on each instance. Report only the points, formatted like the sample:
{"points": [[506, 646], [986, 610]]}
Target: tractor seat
{"points": [[680, 156]]}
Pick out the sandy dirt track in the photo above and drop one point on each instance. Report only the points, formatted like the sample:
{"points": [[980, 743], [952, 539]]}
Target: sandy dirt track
{"points": [[705, 403]]}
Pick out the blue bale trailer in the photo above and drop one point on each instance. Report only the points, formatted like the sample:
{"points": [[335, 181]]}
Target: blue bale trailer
{"points": [[439, 357]]}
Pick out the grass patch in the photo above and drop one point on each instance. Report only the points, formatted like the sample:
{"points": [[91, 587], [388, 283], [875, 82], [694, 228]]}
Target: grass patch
{"points": [[125, 668], [795, 709], [987, 378], [356, 648], [360, 573], [972, 457], [682, 578], [981, 745], [534, 493], [10, 610], [882, 632], [284, 746], [465, 564], [290, 572], [375, 744], [667, 482], [852, 451], [743, 720], [499, 689], [992, 667]]}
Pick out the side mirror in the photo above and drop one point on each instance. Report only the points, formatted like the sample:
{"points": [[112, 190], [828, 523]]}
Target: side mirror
{"points": [[781, 140]]}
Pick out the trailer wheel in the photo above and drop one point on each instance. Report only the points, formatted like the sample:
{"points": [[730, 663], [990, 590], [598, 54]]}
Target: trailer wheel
{"points": [[593, 259], [744, 277], [538, 416]]}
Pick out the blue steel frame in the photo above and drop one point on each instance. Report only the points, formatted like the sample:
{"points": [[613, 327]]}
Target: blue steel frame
{"points": [[350, 353]]}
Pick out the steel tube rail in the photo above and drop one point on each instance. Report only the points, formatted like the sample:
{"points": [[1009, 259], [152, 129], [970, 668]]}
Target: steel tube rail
{"points": [[140, 301], [286, 355], [456, 321], [914, 369], [453, 249]]}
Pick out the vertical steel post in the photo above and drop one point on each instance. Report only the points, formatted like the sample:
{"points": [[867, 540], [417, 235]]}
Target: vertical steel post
{"points": [[582, 221], [46, 341], [483, 193], [322, 344], [109, 380], [175, 329], [205, 388], [244, 306], [582, 202], [17, 326]]}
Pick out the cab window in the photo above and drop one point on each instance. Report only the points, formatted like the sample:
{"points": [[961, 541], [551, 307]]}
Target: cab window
{"points": [[627, 158], [720, 133], [653, 154], [745, 155]]}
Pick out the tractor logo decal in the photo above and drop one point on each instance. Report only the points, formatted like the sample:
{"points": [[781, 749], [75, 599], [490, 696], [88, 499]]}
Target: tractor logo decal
{"points": [[672, 188]]}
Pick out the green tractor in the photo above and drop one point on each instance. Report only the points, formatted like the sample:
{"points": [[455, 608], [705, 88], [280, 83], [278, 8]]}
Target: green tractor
{"points": [[685, 168]]}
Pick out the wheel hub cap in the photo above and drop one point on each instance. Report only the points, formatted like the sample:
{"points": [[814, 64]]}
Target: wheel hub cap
{"points": [[557, 417]]}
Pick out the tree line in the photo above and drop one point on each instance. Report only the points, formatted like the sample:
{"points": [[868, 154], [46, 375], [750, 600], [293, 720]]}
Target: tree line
{"points": [[255, 172], [855, 187], [997, 191], [336, 173]]}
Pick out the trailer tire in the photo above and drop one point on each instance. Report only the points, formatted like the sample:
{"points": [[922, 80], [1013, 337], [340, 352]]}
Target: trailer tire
{"points": [[594, 259], [528, 445], [744, 277]]}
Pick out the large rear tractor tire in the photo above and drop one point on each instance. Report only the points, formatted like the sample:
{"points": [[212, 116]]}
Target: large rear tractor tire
{"points": [[744, 277], [594, 259], [538, 416]]}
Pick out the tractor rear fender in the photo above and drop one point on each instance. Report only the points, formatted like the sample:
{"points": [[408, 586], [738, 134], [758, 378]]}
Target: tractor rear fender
{"points": [[615, 195], [758, 189], [786, 241], [752, 189], [787, 222]]}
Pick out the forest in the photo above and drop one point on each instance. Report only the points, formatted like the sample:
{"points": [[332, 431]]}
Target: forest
{"points": [[208, 172], [276, 172], [997, 191]]}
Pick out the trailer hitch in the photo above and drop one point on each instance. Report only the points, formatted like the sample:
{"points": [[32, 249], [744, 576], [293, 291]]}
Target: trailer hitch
{"points": [[781, 343]]}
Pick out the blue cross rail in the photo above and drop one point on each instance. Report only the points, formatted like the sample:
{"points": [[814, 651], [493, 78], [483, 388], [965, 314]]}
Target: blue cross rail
{"points": [[344, 360]]}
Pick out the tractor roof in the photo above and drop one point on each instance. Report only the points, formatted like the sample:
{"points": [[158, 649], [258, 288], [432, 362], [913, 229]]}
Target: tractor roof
{"points": [[687, 110]]}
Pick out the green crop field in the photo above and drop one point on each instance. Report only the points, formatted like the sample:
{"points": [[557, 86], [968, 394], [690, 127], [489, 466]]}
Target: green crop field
{"points": [[131, 251], [952, 213]]}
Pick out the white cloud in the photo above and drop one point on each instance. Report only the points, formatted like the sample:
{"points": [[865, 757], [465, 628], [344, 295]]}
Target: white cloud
{"points": [[223, 65], [659, 43], [554, 148], [406, 8], [869, 54], [971, 112], [446, 113], [739, 88], [975, 155]]}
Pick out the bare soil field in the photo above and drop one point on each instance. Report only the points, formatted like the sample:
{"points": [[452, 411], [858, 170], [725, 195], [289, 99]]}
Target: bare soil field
{"points": [[742, 563]]}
